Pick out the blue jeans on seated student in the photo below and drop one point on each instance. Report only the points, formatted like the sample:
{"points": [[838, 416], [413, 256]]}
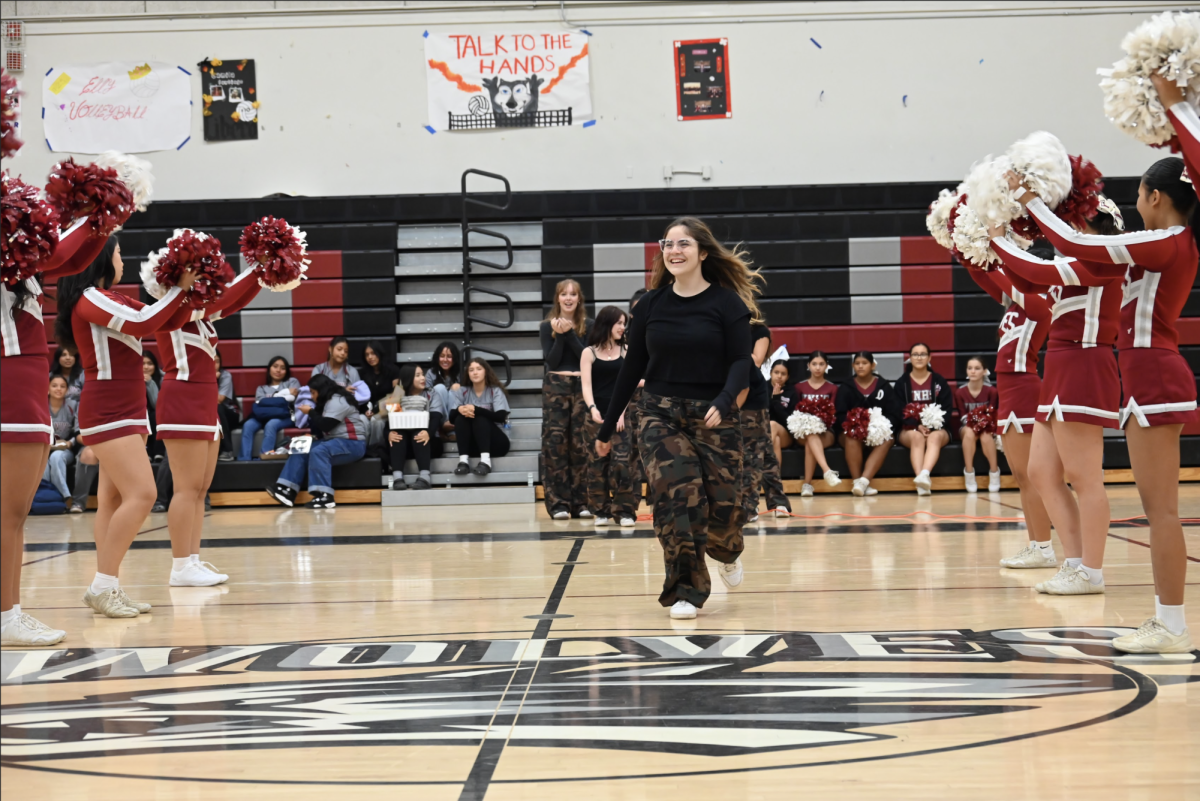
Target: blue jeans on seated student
{"points": [[270, 430], [317, 464], [56, 470]]}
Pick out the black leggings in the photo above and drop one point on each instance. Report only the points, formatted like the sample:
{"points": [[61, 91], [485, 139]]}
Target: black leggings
{"points": [[409, 448], [476, 435], [228, 419]]}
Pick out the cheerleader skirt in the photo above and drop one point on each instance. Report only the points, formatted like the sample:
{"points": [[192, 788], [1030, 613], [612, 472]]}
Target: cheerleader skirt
{"points": [[1081, 385], [187, 410], [1019, 397], [112, 409], [25, 409], [1157, 387]]}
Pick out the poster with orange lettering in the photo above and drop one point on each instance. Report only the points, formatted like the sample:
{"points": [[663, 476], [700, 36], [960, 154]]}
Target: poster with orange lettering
{"points": [[130, 106], [489, 81]]}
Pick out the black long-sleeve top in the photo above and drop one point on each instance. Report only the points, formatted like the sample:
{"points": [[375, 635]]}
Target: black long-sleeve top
{"points": [[850, 396], [562, 351], [695, 348], [940, 390]]}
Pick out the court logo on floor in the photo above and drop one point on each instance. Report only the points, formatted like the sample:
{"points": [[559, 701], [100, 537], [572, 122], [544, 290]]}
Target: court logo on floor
{"points": [[750, 700]]}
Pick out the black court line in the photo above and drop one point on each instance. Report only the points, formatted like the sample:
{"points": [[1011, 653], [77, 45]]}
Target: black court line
{"points": [[44, 558], [490, 751]]}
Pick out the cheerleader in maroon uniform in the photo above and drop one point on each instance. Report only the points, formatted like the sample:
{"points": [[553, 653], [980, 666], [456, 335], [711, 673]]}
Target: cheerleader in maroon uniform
{"points": [[1023, 331], [188, 425], [25, 429], [1081, 395], [967, 398], [106, 328], [815, 388]]}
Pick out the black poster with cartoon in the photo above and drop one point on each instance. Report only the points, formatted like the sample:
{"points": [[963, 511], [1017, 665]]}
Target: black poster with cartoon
{"points": [[230, 99], [702, 79]]}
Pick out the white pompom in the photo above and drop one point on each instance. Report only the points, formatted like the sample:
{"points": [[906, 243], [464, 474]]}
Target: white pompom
{"points": [[938, 218], [987, 191], [801, 424], [973, 241], [1041, 160], [933, 416], [1166, 44], [879, 428], [155, 289], [133, 172]]}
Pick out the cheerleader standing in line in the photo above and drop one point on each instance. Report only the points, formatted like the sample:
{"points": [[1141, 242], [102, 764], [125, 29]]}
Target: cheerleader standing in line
{"points": [[188, 425], [1080, 397], [1023, 331], [760, 467], [564, 334], [866, 390], [919, 384], [106, 328], [610, 495], [970, 396], [691, 339]]}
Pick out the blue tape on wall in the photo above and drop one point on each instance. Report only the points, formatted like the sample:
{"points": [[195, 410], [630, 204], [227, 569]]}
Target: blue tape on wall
{"points": [[589, 123], [430, 129], [184, 142], [181, 69]]}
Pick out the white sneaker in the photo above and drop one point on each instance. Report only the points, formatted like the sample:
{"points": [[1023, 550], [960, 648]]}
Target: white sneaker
{"points": [[922, 492], [109, 603], [193, 575], [682, 610], [628, 522], [871, 491], [602, 521], [923, 481], [753, 518], [1031, 556], [731, 573], [1152, 637], [806, 491], [1071, 581], [24, 629], [860, 486], [994, 481], [969, 478], [832, 479], [782, 511], [561, 514], [586, 513], [211, 568]]}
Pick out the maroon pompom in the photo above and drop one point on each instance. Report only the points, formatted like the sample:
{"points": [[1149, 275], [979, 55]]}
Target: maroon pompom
{"points": [[30, 231], [913, 411], [191, 250], [822, 408], [277, 251], [981, 419], [1083, 201], [88, 190], [9, 143], [856, 423], [1026, 227]]}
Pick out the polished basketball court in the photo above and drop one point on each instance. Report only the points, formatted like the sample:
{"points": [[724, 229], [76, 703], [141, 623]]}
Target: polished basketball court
{"points": [[459, 653]]}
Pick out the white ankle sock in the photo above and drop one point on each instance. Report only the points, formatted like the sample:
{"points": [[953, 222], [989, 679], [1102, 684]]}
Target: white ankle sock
{"points": [[1073, 562], [195, 558], [9, 616], [179, 563], [102, 583], [1094, 574], [17, 609], [1047, 546], [486, 458], [968, 472], [398, 474], [1171, 616], [463, 459]]}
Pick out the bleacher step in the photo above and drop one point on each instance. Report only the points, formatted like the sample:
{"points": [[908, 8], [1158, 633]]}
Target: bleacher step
{"points": [[458, 496], [446, 298], [513, 355], [418, 329], [519, 446], [440, 480], [413, 237], [525, 463]]}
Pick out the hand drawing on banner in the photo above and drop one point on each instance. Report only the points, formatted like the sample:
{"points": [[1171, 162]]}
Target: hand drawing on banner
{"points": [[508, 80], [129, 106], [230, 94]]}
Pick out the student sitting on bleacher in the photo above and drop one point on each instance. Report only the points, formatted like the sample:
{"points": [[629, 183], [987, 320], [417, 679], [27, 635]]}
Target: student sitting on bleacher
{"points": [[339, 437], [66, 364], [229, 412], [66, 433], [338, 366], [272, 410], [420, 444], [481, 411]]}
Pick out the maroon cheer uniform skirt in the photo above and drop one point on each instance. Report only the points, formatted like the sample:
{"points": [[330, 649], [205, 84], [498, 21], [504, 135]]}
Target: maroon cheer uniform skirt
{"points": [[1019, 397], [25, 405], [1158, 388], [1081, 385], [187, 410], [112, 409]]}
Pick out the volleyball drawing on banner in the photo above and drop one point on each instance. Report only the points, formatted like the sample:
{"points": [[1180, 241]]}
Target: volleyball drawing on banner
{"points": [[129, 106], [230, 95], [507, 80]]}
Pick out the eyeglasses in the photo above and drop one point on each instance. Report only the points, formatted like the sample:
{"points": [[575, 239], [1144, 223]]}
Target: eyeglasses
{"points": [[682, 244]]}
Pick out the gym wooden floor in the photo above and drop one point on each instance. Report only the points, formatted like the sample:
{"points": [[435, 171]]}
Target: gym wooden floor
{"points": [[463, 653]]}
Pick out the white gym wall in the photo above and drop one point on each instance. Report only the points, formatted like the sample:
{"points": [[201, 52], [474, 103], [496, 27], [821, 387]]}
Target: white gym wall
{"points": [[342, 86]]}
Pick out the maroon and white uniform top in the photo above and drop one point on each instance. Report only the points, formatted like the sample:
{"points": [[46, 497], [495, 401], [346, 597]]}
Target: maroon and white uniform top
{"points": [[965, 402], [189, 353], [1187, 129], [109, 327], [1024, 326], [808, 392]]}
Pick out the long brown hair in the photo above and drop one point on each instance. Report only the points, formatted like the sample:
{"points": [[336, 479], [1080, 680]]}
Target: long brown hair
{"points": [[489, 375], [728, 268], [579, 318]]}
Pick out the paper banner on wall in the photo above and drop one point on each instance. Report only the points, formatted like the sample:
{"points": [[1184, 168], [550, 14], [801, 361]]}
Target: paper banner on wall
{"points": [[130, 106], [525, 79], [230, 95]]}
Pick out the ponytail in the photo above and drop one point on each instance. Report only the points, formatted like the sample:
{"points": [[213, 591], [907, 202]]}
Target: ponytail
{"points": [[100, 272]]}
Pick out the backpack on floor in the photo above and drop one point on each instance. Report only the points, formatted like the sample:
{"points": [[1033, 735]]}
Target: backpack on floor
{"points": [[47, 501]]}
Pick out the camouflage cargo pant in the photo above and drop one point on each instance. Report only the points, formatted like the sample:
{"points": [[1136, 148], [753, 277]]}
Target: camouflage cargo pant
{"points": [[694, 476], [564, 444], [637, 471], [760, 468], [608, 487]]}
